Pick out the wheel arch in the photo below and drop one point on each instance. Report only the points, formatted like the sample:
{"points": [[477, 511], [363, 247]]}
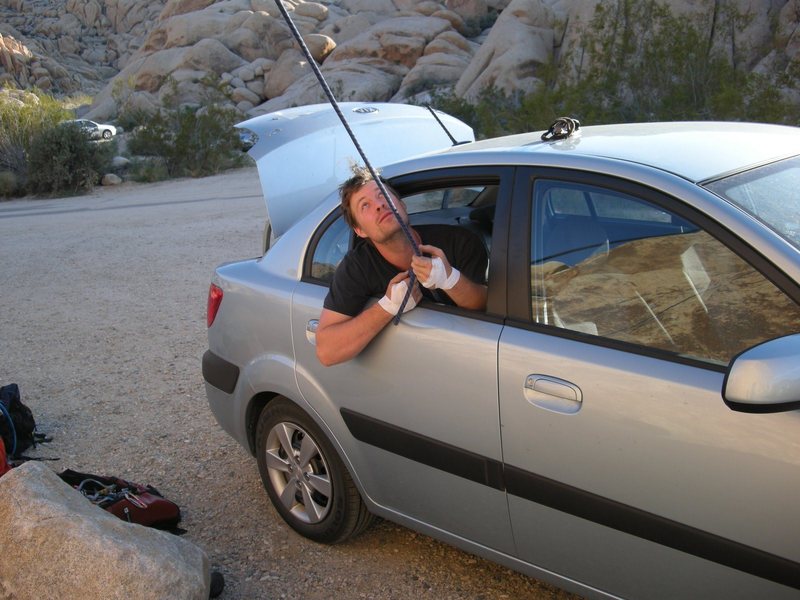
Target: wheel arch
{"points": [[261, 380], [278, 376], [254, 408], [261, 400]]}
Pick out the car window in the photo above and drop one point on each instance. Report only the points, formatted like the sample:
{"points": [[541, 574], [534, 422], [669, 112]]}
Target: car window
{"points": [[451, 197], [331, 247], [612, 206], [450, 205], [565, 201], [648, 277]]}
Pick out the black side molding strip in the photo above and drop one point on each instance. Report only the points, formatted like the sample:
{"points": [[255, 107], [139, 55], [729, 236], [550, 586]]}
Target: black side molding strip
{"points": [[572, 500], [424, 450], [219, 372], [651, 527]]}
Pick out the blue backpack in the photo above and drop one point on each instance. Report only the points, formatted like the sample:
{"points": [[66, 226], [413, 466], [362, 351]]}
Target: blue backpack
{"points": [[17, 425]]}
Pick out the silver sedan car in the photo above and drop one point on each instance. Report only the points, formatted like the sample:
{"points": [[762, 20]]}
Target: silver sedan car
{"points": [[623, 420]]}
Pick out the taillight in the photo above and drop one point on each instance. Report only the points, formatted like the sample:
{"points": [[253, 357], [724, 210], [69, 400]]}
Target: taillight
{"points": [[214, 299]]}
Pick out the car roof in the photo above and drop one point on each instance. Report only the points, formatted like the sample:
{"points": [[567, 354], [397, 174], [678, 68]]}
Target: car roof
{"points": [[696, 151]]}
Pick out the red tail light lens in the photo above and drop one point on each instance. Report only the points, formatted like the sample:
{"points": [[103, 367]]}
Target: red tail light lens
{"points": [[214, 300]]}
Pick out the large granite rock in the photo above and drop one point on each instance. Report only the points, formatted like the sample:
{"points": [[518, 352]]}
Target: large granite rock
{"points": [[369, 67], [520, 42], [442, 63], [81, 44], [57, 544]]}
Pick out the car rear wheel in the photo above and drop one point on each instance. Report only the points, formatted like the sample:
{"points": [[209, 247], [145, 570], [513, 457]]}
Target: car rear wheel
{"points": [[306, 480], [106, 134]]}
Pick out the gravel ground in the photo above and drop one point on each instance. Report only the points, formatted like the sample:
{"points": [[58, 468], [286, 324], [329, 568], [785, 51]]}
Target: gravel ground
{"points": [[102, 324]]}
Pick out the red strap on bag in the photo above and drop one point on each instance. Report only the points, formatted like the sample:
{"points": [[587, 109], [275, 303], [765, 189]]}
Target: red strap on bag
{"points": [[4, 466]]}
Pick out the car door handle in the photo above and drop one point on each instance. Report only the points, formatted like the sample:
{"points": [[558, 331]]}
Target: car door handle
{"points": [[552, 393], [311, 331]]}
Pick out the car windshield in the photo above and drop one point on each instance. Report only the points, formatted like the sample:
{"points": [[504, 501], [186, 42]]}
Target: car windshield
{"points": [[770, 193]]}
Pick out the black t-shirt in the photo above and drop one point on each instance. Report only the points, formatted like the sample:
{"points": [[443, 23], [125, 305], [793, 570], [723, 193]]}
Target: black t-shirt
{"points": [[364, 273]]}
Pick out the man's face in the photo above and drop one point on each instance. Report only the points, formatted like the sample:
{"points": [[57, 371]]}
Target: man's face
{"points": [[373, 217]]}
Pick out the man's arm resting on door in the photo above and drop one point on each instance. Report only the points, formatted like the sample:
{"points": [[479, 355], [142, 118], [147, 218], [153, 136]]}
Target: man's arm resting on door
{"points": [[342, 337]]}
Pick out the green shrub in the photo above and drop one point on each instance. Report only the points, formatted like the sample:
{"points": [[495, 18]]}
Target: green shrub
{"points": [[129, 120], [149, 169], [192, 142], [8, 184], [649, 64], [23, 116], [63, 160], [493, 114], [152, 138], [639, 62]]}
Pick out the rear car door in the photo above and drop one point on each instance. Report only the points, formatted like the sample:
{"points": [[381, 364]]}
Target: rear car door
{"points": [[416, 413], [624, 468]]}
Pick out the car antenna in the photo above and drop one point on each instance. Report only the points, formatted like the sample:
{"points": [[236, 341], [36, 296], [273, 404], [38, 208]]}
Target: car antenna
{"points": [[381, 186], [442, 125]]}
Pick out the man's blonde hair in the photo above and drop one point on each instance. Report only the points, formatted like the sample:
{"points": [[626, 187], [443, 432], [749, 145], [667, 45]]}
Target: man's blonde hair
{"points": [[361, 176]]}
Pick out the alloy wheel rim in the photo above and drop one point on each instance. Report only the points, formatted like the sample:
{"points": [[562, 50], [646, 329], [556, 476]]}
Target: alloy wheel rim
{"points": [[298, 472]]}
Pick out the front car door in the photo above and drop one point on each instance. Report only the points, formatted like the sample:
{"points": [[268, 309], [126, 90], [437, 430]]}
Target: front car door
{"points": [[416, 412], [624, 468]]}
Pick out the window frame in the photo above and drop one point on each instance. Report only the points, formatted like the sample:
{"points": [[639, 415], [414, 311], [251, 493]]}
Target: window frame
{"points": [[308, 262], [519, 292], [413, 183]]}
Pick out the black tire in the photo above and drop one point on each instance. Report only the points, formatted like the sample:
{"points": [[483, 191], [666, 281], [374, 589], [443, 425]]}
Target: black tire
{"points": [[106, 134], [312, 491]]}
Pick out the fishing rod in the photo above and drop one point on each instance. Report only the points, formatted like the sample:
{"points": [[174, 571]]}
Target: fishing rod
{"points": [[373, 173]]}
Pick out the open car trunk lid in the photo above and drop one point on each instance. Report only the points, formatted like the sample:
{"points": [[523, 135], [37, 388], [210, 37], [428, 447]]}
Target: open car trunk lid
{"points": [[303, 154]]}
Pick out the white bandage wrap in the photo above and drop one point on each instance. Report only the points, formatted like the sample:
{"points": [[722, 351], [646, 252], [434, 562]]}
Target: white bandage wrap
{"points": [[438, 278], [392, 304], [451, 281]]}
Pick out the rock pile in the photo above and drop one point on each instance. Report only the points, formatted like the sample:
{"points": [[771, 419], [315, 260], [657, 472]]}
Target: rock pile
{"points": [[374, 50], [71, 46], [140, 54]]}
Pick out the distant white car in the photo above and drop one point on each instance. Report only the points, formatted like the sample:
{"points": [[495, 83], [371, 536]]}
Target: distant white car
{"points": [[95, 130]]}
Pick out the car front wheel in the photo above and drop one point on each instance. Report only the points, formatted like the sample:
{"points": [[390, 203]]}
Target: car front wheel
{"points": [[306, 480]]}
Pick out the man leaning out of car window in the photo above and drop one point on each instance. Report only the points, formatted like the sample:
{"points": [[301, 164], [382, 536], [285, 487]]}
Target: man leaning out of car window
{"points": [[454, 261]]}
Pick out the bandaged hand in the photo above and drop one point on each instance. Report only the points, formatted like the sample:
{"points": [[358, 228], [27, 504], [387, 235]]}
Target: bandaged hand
{"points": [[438, 278], [394, 298]]}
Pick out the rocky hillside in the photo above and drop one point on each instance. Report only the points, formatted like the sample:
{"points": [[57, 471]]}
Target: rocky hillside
{"points": [[137, 54]]}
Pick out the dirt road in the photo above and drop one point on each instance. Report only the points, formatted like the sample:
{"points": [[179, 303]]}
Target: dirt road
{"points": [[102, 324]]}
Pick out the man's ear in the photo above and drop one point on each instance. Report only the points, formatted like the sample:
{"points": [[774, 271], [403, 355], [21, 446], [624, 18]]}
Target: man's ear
{"points": [[359, 232]]}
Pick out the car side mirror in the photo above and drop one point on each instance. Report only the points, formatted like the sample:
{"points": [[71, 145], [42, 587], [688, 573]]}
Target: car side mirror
{"points": [[765, 378]]}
